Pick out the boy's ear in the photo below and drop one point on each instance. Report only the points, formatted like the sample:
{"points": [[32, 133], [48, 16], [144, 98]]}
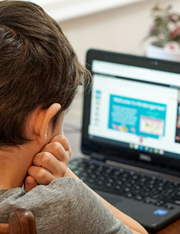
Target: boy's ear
{"points": [[43, 119]]}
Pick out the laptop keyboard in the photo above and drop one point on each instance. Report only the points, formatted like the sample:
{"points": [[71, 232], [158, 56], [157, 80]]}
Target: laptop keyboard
{"points": [[128, 183]]}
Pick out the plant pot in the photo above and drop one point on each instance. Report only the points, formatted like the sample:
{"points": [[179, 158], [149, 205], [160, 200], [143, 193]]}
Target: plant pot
{"points": [[153, 51]]}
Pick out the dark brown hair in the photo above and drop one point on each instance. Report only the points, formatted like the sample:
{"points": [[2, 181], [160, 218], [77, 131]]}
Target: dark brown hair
{"points": [[38, 67]]}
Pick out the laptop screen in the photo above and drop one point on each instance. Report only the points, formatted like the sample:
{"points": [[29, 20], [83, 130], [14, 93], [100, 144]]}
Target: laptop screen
{"points": [[135, 107]]}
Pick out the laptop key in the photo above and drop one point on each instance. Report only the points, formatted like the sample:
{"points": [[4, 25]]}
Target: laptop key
{"points": [[138, 197], [118, 187], [129, 195], [98, 173], [148, 201], [93, 176], [99, 182], [156, 196], [92, 166], [177, 202], [109, 185], [110, 180], [169, 206], [101, 178], [159, 203]]}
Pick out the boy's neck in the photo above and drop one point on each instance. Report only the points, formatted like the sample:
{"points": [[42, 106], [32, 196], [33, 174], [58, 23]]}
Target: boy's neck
{"points": [[14, 164]]}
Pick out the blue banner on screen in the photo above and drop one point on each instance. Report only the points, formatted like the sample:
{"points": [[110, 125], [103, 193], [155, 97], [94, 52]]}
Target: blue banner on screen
{"points": [[138, 117]]}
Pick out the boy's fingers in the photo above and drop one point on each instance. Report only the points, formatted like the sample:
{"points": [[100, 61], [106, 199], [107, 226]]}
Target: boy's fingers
{"points": [[49, 162], [30, 183], [41, 175], [57, 149], [62, 140]]}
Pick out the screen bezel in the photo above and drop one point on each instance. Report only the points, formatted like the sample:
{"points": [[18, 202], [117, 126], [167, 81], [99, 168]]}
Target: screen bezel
{"points": [[108, 149]]}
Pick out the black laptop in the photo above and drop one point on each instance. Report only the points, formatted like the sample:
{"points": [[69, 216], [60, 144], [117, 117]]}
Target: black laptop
{"points": [[131, 133]]}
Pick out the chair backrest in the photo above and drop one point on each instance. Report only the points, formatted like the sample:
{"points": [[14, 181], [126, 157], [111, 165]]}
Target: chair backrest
{"points": [[21, 221]]}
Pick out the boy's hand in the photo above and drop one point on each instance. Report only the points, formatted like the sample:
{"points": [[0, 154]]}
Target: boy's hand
{"points": [[51, 163]]}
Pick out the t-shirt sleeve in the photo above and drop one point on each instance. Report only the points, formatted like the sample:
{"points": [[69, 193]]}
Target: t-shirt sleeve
{"points": [[90, 215]]}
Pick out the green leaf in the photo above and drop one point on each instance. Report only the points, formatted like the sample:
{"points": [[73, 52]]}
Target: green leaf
{"points": [[156, 8], [161, 18]]}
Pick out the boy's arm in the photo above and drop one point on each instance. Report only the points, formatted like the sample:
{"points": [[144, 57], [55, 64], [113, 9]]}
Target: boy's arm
{"points": [[135, 227]]}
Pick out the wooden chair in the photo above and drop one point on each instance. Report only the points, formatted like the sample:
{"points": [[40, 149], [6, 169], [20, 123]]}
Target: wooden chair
{"points": [[21, 221]]}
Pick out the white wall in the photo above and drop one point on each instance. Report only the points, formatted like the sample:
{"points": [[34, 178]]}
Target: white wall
{"points": [[120, 29]]}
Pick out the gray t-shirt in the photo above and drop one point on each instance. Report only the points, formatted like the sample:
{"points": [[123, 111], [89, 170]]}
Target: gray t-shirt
{"points": [[66, 205]]}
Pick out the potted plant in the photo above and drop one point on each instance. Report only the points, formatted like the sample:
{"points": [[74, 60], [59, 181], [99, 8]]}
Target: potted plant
{"points": [[164, 34]]}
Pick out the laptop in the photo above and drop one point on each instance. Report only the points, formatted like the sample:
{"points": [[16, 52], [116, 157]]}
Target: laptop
{"points": [[131, 136]]}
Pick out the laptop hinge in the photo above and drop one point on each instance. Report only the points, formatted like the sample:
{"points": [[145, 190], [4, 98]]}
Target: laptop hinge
{"points": [[98, 157]]}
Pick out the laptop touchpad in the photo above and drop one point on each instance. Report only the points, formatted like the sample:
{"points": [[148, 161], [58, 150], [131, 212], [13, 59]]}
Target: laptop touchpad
{"points": [[112, 199]]}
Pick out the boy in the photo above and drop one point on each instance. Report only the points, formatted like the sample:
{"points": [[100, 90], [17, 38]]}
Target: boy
{"points": [[39, 75]]}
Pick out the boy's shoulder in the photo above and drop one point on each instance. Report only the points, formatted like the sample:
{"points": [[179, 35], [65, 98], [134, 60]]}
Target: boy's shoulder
{"points": [[47, 203], [41, 199], [53, 192]]}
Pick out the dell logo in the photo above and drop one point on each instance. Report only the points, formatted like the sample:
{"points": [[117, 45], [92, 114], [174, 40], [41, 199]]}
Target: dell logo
{"points": [[145, 157]]}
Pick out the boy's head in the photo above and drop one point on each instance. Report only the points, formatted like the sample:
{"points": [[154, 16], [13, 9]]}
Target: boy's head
{"points": [[38, 67]]}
